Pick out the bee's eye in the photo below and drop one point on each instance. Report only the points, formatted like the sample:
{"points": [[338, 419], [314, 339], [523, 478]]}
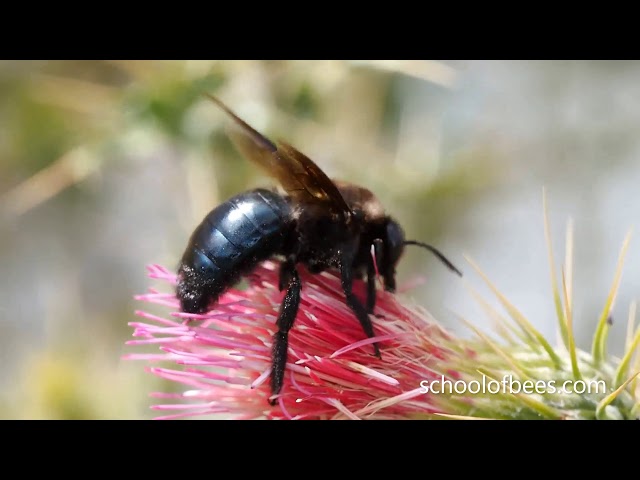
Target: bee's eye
{"points": [[394, 242]]}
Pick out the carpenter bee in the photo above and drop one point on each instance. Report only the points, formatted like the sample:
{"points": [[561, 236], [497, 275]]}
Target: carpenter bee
{"points": [[319, 223]]}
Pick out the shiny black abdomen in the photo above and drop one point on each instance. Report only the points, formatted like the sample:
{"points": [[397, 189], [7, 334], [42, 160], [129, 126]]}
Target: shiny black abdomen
{"points": [[231, 240]]}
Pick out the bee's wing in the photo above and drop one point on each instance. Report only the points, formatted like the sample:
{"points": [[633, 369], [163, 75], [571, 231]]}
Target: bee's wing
{"points": [[298, 175]]}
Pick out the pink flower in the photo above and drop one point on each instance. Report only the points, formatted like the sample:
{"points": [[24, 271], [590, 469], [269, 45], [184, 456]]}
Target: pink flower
{"points": [[223, 358]]}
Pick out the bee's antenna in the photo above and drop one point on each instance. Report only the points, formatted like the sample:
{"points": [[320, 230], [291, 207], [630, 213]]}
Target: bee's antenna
{"points": [[433, 250]]}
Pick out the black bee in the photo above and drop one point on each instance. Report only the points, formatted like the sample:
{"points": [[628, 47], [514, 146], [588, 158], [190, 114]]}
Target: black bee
{"points": [[318, 223]]}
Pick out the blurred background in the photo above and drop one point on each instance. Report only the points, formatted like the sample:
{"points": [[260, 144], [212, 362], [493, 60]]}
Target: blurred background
{"points": [[107, 166]]}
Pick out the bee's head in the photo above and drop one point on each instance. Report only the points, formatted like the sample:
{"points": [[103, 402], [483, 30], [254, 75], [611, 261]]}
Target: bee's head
{"points": [[389, 248]]}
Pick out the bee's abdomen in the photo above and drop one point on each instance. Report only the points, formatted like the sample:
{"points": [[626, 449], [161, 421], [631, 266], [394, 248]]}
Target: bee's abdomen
{"points": [[230, 241]]}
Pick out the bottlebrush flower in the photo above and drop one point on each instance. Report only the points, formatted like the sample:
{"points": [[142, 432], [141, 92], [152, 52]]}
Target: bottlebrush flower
{"points": [[226, 353], [223, 358]]}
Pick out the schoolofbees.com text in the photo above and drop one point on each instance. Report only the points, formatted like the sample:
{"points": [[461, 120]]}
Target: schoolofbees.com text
{"points": [[511, 385]]}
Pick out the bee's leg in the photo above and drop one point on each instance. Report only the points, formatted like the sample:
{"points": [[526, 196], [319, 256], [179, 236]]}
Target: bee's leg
{"points": [[288, 312], [287, 268], [346, 273], [371, 291], [371, 287]]}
